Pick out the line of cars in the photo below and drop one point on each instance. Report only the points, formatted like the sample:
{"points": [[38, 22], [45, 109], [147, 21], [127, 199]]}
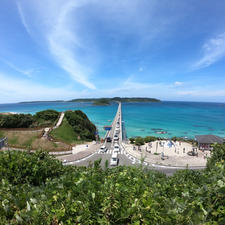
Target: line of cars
{"points": [[116, 148]]}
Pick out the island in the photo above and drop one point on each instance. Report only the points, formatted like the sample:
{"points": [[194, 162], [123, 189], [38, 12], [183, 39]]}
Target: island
{"points": [[107, 101], [101, 101]]}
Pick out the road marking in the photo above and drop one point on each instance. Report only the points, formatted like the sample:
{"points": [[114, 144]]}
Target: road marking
{"points": [[109, 152]]}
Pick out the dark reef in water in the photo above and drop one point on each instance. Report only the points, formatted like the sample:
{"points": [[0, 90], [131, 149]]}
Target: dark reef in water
{"points": [[156, 129]]}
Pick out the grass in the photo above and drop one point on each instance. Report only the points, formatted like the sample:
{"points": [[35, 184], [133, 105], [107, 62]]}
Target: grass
{"points": [[2, 134], [65, 133], [27, 139], [21, 139]]}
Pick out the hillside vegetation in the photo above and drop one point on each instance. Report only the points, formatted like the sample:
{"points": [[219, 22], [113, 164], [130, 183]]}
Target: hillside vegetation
{"points": [[64, 133], [40, 119], [76, 126], [36, 189], [101, 101]]}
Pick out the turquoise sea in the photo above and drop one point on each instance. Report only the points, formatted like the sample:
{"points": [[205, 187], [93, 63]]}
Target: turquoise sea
{"points": [[183, 119]]}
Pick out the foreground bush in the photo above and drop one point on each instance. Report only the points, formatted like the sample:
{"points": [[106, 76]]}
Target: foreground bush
{"points": [[34, 168], [123, 195]]}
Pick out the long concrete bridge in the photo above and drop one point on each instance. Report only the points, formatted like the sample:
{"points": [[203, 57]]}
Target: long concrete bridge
{"points": [[116, 130]]}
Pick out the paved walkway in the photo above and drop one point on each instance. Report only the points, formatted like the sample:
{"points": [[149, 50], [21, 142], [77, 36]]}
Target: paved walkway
{"points": [[181, 160], [80, 152], [60, 120]]}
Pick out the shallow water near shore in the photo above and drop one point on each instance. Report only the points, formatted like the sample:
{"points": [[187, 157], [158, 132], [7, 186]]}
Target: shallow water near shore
{"points": [[163, 119]]}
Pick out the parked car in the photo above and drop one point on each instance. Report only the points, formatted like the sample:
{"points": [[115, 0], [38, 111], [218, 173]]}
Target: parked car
{"points": [[103, 149], [114, 160]]}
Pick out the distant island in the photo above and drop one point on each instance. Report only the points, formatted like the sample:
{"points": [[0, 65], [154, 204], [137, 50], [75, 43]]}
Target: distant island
{"points": [[101, 101], [107, 101]]}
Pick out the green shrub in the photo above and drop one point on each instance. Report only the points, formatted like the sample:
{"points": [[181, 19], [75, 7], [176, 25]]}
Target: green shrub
{"points": [[132, 140], [42, 118], [139, 141], [218, 155], [34, 168], [150, 139], [16, 121], [47, 115], [35, 189]]}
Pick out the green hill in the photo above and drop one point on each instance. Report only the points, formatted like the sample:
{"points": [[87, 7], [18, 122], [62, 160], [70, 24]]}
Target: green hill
{"points": [[75, 127]]}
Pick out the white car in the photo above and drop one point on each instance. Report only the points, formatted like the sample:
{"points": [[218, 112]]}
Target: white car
{"points": [[116, 148], [117, 130], [114, 160], [116, 138], [103, 149]]}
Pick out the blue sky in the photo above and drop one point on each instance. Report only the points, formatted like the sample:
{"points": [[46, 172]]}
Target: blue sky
{"points": [[64, 49]]}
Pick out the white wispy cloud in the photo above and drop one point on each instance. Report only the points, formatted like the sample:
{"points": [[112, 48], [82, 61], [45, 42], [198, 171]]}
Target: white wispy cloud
{"points": [[61, 40], [23, 20], [213, 51], [178, 83], [26, 72]]}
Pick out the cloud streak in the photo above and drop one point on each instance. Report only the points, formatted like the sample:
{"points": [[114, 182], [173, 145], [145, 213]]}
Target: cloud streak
{"points": [[213, 51], [62, 42], [26, 72], [23, 20]]}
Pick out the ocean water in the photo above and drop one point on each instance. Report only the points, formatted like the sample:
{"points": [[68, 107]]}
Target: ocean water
{"points": [[182, 119]]}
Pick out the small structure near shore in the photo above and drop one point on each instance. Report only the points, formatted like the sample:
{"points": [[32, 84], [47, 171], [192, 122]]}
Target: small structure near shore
{"points": [[205, 142]]}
